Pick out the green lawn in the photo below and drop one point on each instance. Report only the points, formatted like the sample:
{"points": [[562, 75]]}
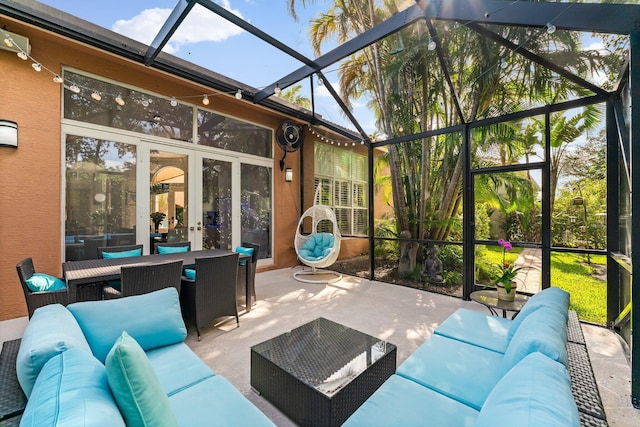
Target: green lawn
{"points": [[588, 293], [570, 272]]}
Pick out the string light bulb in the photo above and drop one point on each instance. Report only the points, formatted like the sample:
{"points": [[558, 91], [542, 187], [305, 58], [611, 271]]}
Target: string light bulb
{"points": [[205, 100], [57, 79], [550, 28], [173, 101], [504, 64], [119, 100], [239, 94], [8, 42], [432, 44], [95, 95], [36, 66], [277, 90], [22, 55], [74, 88]]}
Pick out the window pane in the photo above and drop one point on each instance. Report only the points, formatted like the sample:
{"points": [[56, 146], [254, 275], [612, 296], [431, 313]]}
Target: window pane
{"points": [[139, 112], [100, 195], [215, 130], [256, 207], [216, 204]]}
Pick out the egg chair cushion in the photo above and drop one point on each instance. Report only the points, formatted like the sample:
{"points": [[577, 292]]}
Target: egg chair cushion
{"points": [[318, 246]]}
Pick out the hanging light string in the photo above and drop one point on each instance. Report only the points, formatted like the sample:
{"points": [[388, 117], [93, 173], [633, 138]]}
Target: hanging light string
{"points": [[97, 95], [339, 143]]}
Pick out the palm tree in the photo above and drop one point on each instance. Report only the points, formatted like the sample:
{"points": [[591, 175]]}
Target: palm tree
{"points": [[409, 94], [294, 96]]}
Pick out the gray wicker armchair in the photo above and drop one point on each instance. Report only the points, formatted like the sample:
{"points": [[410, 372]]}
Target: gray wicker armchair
{"points": [[145, 278], [213, 292], [37, 299], [242, 278]]}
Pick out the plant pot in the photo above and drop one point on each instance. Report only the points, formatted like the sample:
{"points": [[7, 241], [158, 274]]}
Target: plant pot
{"points": [[503, 295]]}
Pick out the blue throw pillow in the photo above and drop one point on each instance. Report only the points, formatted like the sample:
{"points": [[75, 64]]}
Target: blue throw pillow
{"points": [[172, 249], [41, 282], [123, 254], [136, 386], [244, 251], [190, 273]]}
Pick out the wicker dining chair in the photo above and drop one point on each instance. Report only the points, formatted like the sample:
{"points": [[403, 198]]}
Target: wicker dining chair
{"points": [[242, 276], [37, 299], [144, 278], [172, 245], [212, 294]]}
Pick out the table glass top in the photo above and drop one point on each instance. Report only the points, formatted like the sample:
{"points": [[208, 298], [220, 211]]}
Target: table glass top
{"points": [[323, 354]]}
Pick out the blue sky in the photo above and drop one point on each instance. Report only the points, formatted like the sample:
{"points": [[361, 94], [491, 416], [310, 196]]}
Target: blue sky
{"points": [[212, 42]]}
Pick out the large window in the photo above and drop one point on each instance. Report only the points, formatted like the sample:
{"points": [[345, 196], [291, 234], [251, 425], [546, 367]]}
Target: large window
{"points": [[343, 176], [100, 196]]}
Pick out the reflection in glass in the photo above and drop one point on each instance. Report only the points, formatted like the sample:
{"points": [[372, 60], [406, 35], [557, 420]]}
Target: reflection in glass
{"points": [[215, 130], [168, 195], [100, 208], [139, 112], [255, 187], [216, 204]]}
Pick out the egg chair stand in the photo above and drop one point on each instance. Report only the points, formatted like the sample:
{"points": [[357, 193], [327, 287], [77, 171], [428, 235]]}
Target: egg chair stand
{"points": [[318, 250]]}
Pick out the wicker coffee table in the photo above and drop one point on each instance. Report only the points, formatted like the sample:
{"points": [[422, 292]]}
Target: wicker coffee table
{"points": [[319, 373]]}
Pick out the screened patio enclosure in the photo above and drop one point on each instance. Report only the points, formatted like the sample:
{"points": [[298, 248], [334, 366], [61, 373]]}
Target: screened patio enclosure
{"points": [[508, 119]]}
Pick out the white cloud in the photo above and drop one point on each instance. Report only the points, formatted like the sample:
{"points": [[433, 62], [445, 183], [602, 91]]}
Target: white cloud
{"points": [[200, 25]]}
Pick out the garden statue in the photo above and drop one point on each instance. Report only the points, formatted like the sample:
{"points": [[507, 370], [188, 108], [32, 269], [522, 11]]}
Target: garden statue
{"points": [[408, 251], [432, 268]]}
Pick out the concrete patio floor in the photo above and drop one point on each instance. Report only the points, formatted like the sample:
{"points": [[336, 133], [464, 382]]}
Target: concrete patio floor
{"points": [[403, 316]]}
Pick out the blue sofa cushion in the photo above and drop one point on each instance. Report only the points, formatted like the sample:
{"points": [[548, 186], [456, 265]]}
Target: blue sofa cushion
{"points": [[51, 330], [72, 390], [153, 320], [544, 330], [476, 328], [404, 403], [317, 246], [536, 392], [215, 402], [122, 254], [172, 249], [463, 372], [552, 298], [192, 368], [40, 282], [136, 386]]}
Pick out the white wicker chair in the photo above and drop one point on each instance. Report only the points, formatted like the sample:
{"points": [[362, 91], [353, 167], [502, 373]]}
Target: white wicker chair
{"points": [[328, 253]]}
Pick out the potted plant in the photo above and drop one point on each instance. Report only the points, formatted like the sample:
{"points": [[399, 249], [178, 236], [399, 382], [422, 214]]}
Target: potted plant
{"points": [[157, 218], [506, 283]]}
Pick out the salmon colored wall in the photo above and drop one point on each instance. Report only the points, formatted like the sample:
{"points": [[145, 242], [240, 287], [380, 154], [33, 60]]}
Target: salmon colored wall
{"points": [[30, 202]]}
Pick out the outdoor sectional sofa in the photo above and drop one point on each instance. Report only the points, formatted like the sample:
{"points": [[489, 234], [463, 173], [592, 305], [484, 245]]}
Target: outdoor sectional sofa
{"points": [[78, 368], [483, 370]]}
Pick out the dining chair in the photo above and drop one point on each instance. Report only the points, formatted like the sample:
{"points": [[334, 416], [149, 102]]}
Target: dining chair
{"points": [[211, 293], [144, 278], [172, 247], [37, 299], [242, 275]]}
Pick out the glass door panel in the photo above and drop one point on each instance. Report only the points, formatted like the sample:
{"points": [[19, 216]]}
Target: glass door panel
{"points": [[216, 204], [100, 206], [168, 197]]}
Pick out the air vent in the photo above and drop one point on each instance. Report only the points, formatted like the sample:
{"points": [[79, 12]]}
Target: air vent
{"points": [[19, 42]]}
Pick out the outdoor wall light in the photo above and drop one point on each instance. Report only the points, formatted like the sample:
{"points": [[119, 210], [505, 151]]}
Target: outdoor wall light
{"points": [[288, 174], [8, 133]]}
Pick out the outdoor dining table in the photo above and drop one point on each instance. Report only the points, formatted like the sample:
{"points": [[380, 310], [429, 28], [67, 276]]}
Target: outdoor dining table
{"points": [[101, 270]]}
